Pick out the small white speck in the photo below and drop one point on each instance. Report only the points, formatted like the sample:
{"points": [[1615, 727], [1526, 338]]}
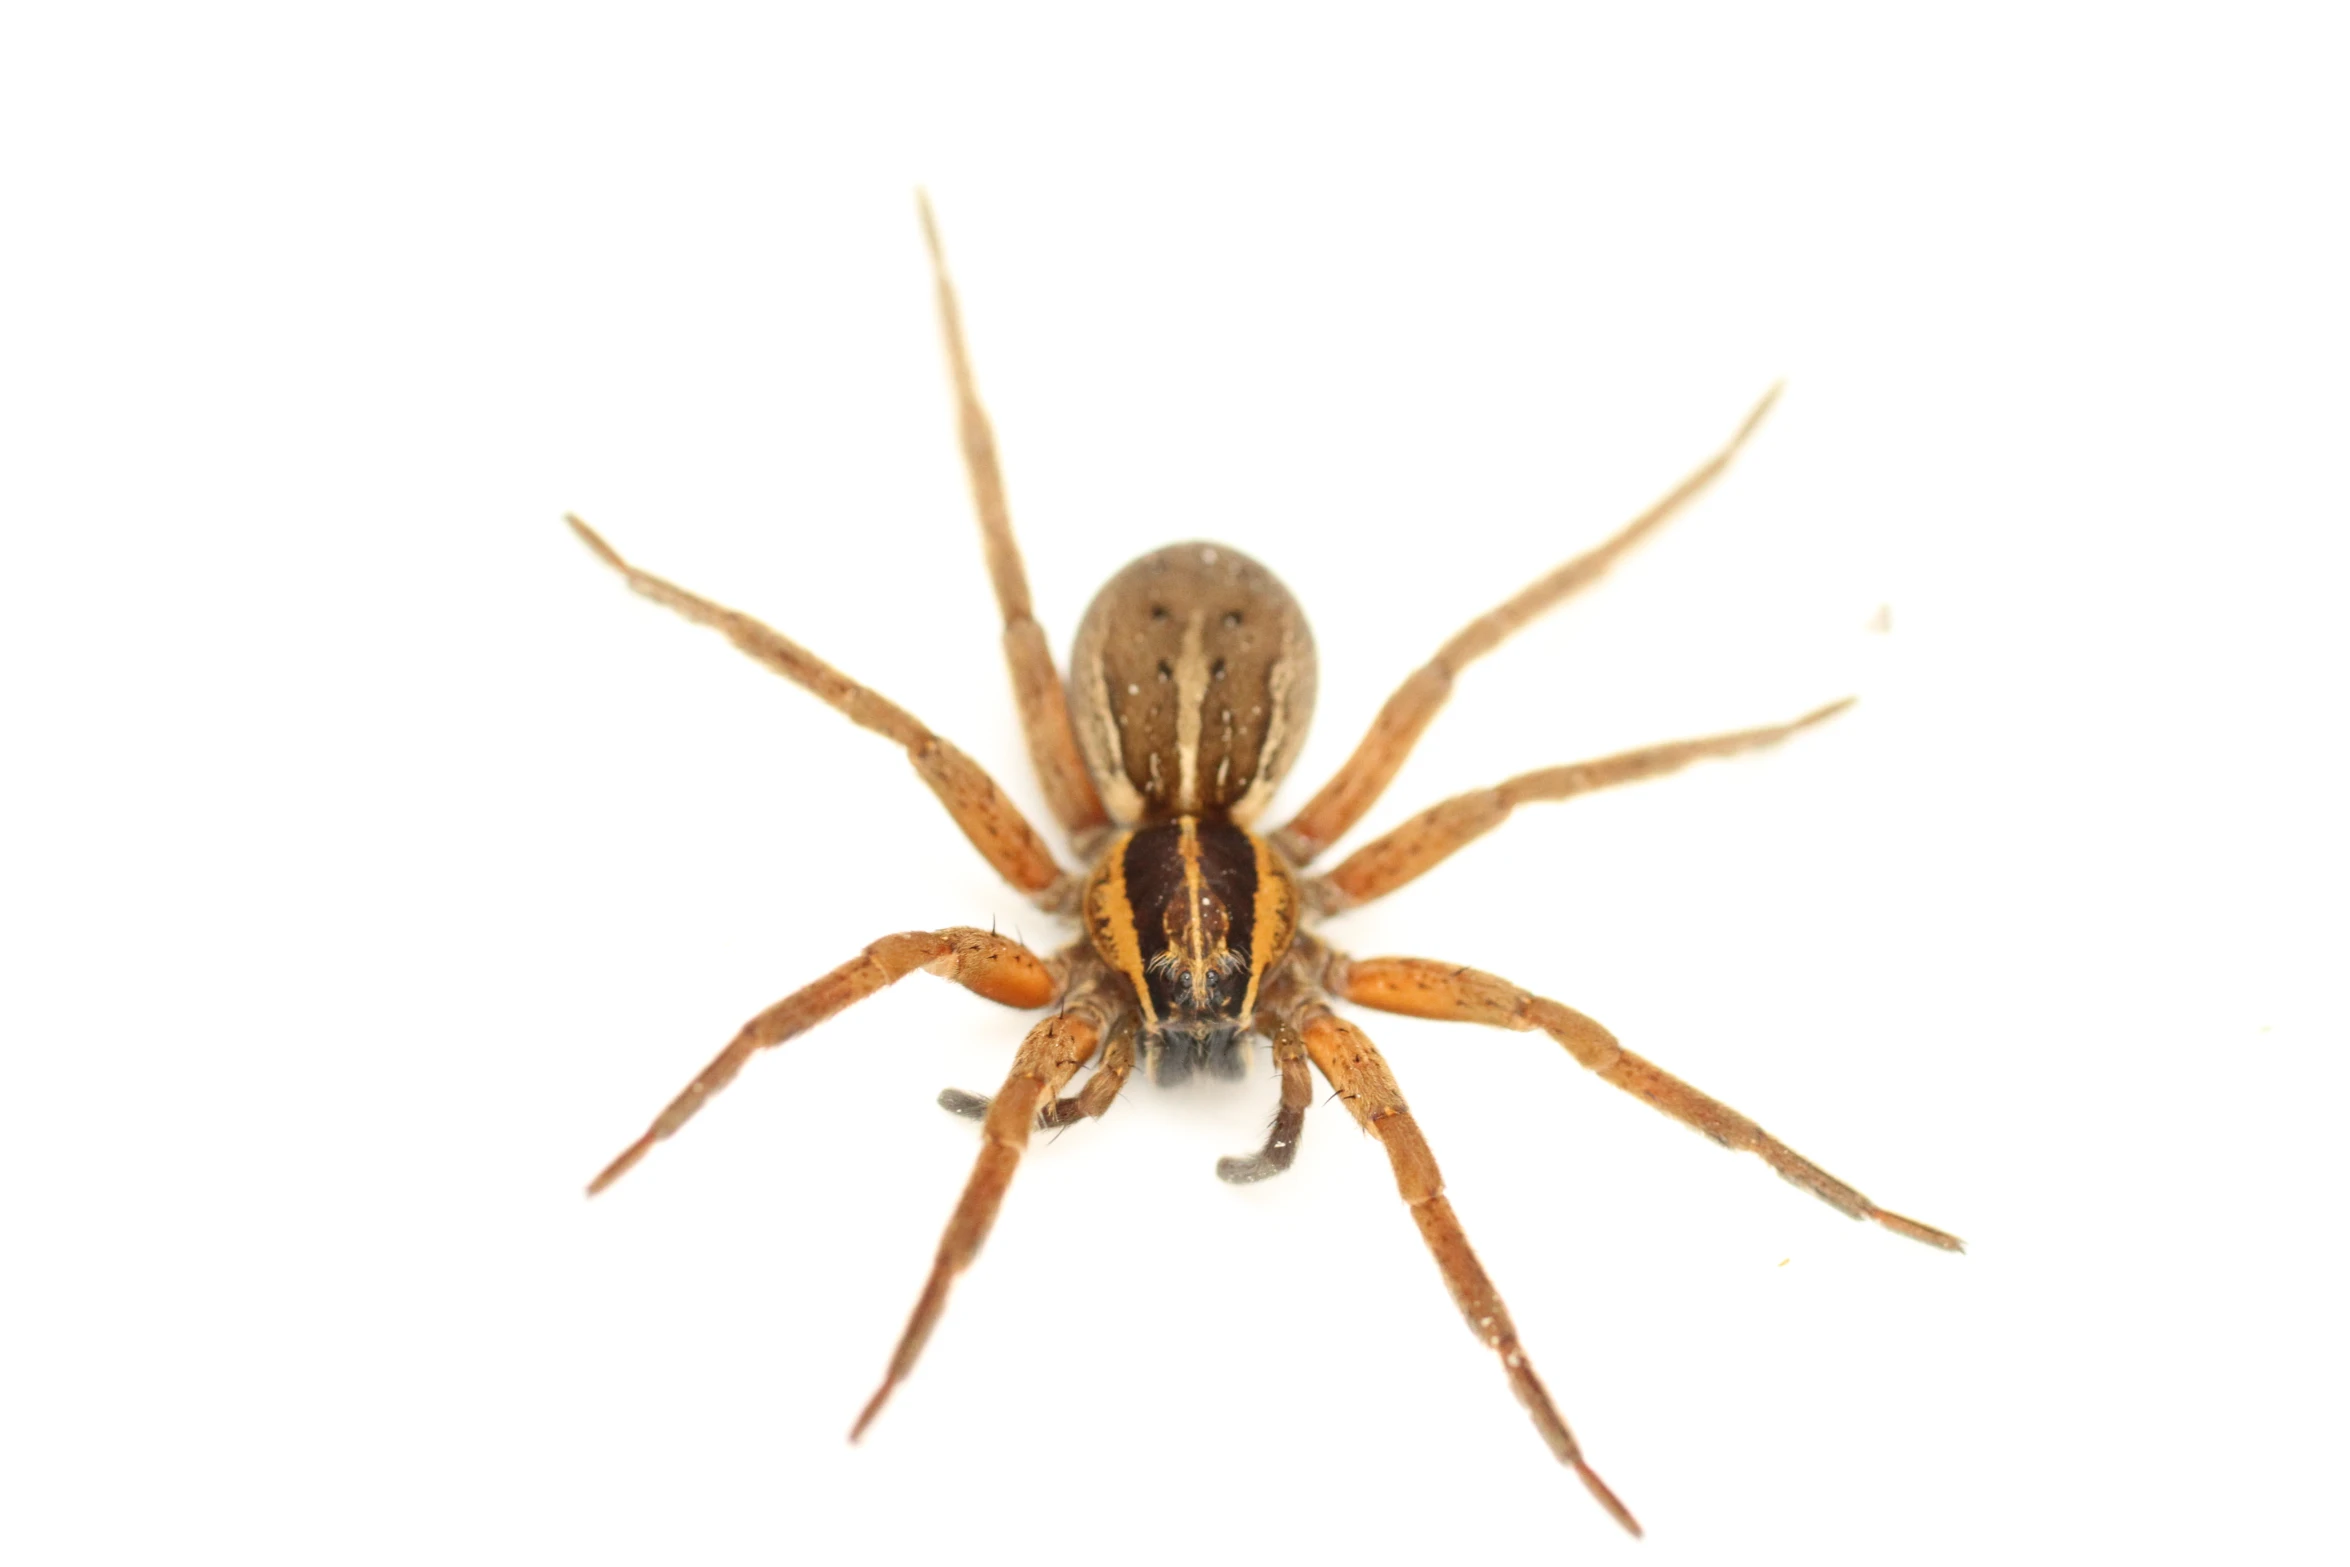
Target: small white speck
{"points": [[1134, 690], [1207, 557]]}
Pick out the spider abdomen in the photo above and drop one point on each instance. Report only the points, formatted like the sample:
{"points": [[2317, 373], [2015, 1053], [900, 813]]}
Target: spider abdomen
{"points": [[1193, 912], [1190, 685]]}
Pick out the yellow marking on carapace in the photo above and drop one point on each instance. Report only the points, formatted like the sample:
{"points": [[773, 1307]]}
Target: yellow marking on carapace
{"points": [[1195, 954], [1113, 916], [1269, 929]]}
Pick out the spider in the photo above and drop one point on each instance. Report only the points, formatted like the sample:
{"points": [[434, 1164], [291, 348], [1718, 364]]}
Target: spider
{"points": [[1190, 685]]}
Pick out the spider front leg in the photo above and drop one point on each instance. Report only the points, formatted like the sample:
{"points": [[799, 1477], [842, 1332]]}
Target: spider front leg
{"points": [[1355, 1069], [980, 961], [1418, 987], [1430, 838], [1049, 1056], [985, 813], [1366, 774]]}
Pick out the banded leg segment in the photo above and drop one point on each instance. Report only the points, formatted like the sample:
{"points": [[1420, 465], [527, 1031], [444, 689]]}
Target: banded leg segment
{"points": [[1355, 1069], [985, 813], [1036, 684], [1419, 987], [980, 961], [1430, 838], [1358, 785], [1050, 1055]]}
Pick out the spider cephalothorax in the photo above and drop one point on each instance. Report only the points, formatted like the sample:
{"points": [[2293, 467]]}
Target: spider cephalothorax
{"points": [[1193, 913], [1191, 681]]}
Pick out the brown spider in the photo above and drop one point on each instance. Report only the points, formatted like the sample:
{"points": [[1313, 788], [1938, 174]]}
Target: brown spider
{"points": [[1191, 683]]}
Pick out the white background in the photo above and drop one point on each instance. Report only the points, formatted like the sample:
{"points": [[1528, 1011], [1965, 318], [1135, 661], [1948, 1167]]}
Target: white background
{"points": [[375, 864]]}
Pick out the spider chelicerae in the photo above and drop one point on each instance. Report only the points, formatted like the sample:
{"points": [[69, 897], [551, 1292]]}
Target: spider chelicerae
{"points": [[1190, 686]]}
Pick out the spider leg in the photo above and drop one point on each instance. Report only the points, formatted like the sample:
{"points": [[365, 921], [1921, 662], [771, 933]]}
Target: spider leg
{"points": [[1355, 1069], [1036, 685], [1297, 1091], [1428, 839], [1419, 987], [1358, 785], [1093, 1100], [1051, 1053], [980, 961], [984, 812]]}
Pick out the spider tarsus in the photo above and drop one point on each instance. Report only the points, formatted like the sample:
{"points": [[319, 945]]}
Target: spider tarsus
{"points": [[1820, 715], [956, 1101], [622, 1165], [929, 223], [873, 1407], [1607, 1499], [1760, 410], [595, 541], [1899, 1225]]}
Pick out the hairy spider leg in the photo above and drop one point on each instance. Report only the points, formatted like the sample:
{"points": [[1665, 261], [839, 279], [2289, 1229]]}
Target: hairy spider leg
{"points": [[1419, 987], [1354, 1067], [980, 961], [1357, 785], [985, 813], [1053, 1051], [1430, 838], [1036, 685]]}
